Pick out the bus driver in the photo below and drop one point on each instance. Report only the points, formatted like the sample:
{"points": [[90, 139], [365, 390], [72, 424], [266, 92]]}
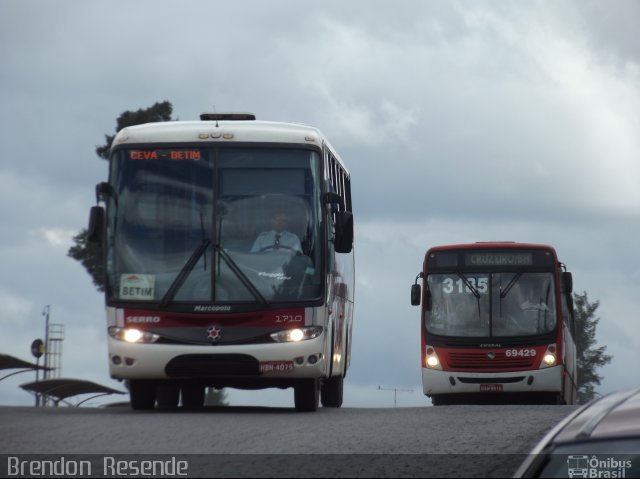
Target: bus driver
{"points": [[278, 237]]}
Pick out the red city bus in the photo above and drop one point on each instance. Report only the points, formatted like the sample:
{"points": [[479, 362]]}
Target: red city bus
{"points": [[228, 248], [497, 324]]}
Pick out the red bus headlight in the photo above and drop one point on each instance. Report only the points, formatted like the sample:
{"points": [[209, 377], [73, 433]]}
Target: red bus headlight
{"points": [[550, 357], [431, 360]]}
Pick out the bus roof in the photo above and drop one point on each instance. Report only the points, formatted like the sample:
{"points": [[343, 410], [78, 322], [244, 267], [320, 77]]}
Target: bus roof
{"points": [[492, 245], [224, 131]]}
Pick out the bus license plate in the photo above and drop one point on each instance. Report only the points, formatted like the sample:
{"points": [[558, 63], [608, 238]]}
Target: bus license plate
{"points": [[491, 388], [276, 366]]}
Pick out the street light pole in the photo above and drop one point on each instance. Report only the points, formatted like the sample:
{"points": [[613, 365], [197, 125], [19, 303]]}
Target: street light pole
{"points": [[395, 393]]}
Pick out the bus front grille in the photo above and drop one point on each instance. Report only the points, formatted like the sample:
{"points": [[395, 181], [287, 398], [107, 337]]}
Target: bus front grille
{"points": [[212, 365], [481, 360]]}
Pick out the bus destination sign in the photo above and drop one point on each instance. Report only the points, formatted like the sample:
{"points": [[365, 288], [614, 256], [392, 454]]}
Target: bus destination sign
{"points": [[499, 259], [165, 154]]}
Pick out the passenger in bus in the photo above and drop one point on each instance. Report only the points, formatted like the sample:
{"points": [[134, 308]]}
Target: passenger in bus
{"points": [[277, 238], [528, 294], [522, 311], [535, 305]]}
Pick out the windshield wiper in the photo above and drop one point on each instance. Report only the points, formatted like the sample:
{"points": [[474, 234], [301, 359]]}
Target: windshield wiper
{"points": [[473, 290], [188, 266], [468, 284], [511, 284], [240, 274], [185, 271], [191, 263]]}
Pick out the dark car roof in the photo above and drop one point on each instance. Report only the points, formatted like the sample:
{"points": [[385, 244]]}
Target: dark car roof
{"points": [[614, 415]]}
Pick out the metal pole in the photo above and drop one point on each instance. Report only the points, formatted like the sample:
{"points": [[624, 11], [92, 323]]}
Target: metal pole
{"points": [[37, 376], [46, 312]]}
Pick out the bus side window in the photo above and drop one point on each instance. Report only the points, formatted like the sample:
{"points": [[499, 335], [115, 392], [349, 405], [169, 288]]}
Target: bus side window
{"points": [[567, 314]]}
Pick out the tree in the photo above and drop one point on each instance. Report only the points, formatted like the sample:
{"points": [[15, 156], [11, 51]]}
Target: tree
{"points": [[82, 250], [588, 356], [215, 397], [89, 254]]}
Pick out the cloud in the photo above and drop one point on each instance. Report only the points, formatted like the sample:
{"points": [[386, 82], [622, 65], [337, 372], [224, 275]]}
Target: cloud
{"points": [[58, 237], [13, 307], [515, 99]]}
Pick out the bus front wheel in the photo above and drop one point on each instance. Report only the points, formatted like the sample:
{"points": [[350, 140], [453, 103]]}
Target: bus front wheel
{"points": [[168, 395], [332, 391], [142, 394], [192, 396], [440, 400], [306, 395]]}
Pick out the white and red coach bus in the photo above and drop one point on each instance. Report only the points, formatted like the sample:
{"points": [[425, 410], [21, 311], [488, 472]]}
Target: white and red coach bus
{"points": [[228, 249]]}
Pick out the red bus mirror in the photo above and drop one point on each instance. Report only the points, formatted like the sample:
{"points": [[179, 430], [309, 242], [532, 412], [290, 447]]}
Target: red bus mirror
{"points": [[416, 292], [567, 282]]}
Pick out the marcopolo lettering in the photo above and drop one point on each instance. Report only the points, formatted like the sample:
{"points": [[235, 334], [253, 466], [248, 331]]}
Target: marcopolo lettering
{"points": [[200, 308]]}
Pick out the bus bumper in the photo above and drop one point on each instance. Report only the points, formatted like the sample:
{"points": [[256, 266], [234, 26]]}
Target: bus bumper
{"points": [[303, 359], [448, 382]]}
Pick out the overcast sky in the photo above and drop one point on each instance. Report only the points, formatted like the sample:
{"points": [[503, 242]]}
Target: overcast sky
{"points": [[459, 121]]}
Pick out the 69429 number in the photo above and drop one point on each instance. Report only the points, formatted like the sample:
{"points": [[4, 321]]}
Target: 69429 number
{"points": [[520, 353]]}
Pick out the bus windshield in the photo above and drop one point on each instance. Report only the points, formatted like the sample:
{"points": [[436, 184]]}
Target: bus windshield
{"points": [[515, 303], [213, 225]]}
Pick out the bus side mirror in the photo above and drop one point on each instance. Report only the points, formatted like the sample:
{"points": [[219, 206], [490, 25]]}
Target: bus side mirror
{"points": [[567, 282], [343, 241], [95, 231], [416, 292]]}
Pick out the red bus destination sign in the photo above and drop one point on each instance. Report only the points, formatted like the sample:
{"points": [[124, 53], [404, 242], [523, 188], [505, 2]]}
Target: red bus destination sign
{"points": [[499, 259]]}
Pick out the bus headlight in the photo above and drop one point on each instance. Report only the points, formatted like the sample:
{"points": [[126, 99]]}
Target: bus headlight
{"points": [[550, 357], [132, 335], [295, 335], [431, 360]]}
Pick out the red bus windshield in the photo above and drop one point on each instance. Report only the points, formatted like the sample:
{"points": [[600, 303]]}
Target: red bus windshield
{"points": [[490, 304]]}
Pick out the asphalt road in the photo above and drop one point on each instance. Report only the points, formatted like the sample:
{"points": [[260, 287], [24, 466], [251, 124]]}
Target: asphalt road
{"points": [[446, 441]]}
